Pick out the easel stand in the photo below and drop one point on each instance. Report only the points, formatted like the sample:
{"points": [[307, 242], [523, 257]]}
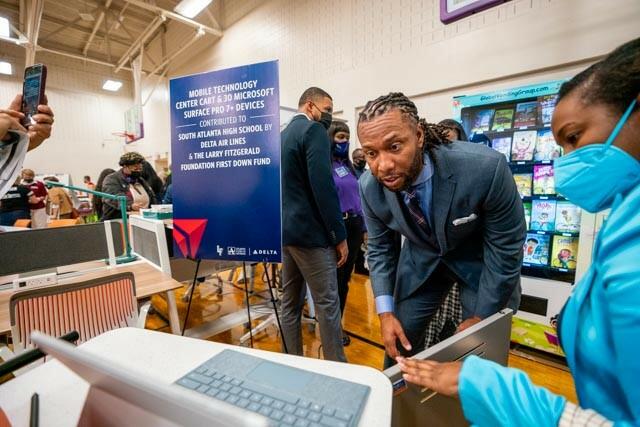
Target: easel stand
{"points": [[274, 317], [193, 288]]}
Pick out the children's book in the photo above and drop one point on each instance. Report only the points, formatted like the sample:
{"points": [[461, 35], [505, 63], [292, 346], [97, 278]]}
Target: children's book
{"points": [[482, 121], [546, 147], [565, 252], [543, 180], [502, 119], [543, 215], [502, 145], [545, 109], [524, 142], [567, 217], [523, 183], [526, 114], [527, 214], [536, 249]]}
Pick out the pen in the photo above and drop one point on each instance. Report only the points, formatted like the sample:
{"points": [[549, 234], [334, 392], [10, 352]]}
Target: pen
{"points": [[33, 421]]}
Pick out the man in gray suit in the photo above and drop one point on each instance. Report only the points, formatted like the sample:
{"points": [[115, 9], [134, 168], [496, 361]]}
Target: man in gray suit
{"points": [[437, 213]]}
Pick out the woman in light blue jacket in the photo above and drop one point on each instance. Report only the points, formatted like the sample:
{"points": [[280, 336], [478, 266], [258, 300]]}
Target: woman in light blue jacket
{"points": [[597, 122]]}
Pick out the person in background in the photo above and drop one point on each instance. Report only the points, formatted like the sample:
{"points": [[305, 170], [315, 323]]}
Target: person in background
{"points": [[167, 197], [359, 163], [597, 123], [461, 225], [127, 182], [97, 200], [344, 176], [59, 197], [90, 186], [360, 166], [153, 180], [313, 234], [87, 183], [14, 205], [38, 209], [455, 131]]}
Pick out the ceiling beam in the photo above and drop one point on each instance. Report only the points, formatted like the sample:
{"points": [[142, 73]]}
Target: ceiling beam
{"points": [[175, 54], [106, 7], [68, 24], [101, 34], [213, 19], [176, 17], [34, 18], [59, 29], [135, 46], [78, 57]]}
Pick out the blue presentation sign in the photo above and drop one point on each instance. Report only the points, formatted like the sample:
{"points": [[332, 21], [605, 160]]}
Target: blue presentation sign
{"points": [[225, 159]]}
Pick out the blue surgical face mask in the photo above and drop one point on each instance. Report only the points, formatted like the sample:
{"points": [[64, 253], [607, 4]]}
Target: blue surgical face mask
{"points": [[341, 149], [592, 176]]}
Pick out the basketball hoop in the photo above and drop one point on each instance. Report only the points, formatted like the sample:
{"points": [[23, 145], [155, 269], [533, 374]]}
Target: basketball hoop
{"points": [[128, 136]]}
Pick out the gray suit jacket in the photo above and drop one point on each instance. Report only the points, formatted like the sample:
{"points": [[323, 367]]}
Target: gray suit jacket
{"points": [[479, 223]]}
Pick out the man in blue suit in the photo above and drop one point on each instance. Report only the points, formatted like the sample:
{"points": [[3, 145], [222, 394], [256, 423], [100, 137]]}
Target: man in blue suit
{"points": [[437, 213], [313, 233]]}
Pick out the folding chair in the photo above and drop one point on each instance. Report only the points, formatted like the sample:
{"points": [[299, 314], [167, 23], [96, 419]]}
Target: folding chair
{"points": [[91, 307]]}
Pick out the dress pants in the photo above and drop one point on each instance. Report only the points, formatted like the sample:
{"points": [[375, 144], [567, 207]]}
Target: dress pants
{"points": [[416, 311], [354, 226], [316, 267]]}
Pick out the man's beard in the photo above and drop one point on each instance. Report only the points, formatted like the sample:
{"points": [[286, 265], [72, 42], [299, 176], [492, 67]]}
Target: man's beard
{"points": [[411, 175]]}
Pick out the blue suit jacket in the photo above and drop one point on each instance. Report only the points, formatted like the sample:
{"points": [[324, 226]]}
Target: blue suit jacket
{"points": [[479, 223], [311, 215]]}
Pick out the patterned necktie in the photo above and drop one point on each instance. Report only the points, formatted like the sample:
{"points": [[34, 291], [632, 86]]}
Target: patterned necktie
{"points": [[416, 210]]}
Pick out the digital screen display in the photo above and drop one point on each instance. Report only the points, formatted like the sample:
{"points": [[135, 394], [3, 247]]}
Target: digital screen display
{"points": [[31, 90]]}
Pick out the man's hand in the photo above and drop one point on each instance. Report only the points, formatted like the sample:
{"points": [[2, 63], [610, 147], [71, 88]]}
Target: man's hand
{"points": [[439, 377], [468, 323], [391, 331], [41, 129], [343, 251]]}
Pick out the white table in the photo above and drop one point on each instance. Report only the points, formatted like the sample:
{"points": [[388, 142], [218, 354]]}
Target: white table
{"points": [[165, 357]]}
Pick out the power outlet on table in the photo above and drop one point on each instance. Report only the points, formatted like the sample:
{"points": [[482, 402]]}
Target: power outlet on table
{"points": [[35, 281]]}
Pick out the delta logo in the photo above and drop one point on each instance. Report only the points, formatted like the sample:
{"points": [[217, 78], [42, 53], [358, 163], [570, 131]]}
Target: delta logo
{"points": [[187, 233]]}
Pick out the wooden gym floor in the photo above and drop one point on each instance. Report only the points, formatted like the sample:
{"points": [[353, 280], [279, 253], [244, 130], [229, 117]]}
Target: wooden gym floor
{"points": [[360, 322]]}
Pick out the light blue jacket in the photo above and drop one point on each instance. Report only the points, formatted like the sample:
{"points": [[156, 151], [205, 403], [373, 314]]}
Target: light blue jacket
{"points": [[600, 334]]}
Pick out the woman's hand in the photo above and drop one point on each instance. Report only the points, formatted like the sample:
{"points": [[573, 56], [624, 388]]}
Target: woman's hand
{"points": [[439, 377]]}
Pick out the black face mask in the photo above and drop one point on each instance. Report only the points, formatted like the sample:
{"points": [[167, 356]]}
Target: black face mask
{"points": [[135, 175], [28, 181], [359, 164], [325, 119]]}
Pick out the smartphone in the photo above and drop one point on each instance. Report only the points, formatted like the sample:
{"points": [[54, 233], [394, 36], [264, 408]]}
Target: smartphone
{"points": [[35, 77]]}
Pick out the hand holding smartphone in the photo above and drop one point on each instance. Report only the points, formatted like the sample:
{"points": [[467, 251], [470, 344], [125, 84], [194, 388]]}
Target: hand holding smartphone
{"points": [[35, 78]]}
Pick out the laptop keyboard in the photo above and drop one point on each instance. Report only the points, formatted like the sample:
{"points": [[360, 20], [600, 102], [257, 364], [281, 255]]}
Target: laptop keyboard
{"points": [[287, 396]]}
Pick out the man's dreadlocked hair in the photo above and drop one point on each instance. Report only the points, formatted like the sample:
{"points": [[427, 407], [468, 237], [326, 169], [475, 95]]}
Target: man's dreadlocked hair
{"points": [[434, 135]]}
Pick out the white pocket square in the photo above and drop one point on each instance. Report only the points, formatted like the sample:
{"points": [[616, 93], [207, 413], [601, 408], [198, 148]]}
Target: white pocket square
{"points": [[464, 220]]}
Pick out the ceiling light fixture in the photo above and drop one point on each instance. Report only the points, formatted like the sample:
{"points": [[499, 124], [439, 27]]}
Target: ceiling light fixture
{"points": [[112, 85], [4, 27], [6, 68], [191, 8]]}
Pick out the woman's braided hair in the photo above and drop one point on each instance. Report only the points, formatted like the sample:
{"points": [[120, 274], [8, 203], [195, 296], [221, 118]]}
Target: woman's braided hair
{"points": [[434, 135]]}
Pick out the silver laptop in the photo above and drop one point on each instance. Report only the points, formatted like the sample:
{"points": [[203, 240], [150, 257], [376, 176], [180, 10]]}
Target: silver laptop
{"points": [[413, 405], [127, 396]]}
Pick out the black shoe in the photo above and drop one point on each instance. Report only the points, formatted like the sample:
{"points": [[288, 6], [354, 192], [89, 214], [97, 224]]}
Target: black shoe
{"points": [[362, 271], [346, 340]]}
